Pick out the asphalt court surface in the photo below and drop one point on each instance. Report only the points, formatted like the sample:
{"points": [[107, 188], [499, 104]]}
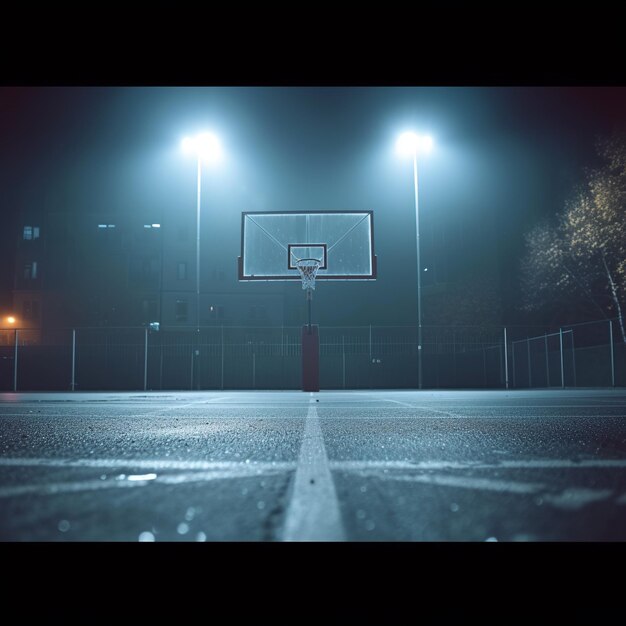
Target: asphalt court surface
{"points": [[544, 465]]}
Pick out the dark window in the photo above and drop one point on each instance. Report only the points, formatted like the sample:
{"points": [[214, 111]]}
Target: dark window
{"points": [[27, 309], [144, 271], [181, 310], [35, 232], [183, 233], [182, 271], [35, 310], [149, 309]]}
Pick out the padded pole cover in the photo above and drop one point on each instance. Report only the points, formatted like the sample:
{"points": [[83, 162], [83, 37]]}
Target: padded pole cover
{"points": [[310, 358]]}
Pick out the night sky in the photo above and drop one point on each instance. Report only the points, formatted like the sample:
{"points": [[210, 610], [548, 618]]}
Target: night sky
{"points": [[505, 155]]}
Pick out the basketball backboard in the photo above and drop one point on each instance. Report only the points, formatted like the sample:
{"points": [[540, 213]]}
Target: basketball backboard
{"points": [[342, 241]]}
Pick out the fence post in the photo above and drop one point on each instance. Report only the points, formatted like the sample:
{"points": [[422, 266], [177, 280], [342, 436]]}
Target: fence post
{"points": [[145, 360], [573, 357], [506, 361], [343, 355], [545, 341], [15, 360], [222, 356], [513, 362], [73, 386], [530, 375], [454, 355], [161, 363], [191, 378], [612, 354], [561, 348], [484, 368]]}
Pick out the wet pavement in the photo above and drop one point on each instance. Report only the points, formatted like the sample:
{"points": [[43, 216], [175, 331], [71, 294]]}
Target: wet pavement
{"points": [[349, 465]]}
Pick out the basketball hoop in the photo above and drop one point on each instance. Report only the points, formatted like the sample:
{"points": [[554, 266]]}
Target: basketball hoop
{"points": [[308, 271]]}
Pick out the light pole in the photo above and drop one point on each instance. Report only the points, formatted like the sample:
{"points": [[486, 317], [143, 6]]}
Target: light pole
{"points": [[206, 147], [409, 144]]}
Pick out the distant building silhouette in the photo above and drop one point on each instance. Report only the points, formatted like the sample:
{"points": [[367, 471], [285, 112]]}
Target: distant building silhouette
{"points": [[122, 269]]}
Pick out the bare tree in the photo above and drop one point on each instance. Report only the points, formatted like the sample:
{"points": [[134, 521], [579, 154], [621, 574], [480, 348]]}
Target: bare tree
{"points": [[584, 252]]}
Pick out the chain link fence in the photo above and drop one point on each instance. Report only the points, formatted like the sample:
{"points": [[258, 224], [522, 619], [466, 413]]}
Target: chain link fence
{"points": [[364, 357]]}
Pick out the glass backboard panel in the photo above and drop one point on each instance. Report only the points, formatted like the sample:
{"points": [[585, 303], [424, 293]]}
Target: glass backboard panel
{"points": [[343, 241]]}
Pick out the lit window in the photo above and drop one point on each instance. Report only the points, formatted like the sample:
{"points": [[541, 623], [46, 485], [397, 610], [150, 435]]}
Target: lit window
{"points": [[102, 225], [147, 225], [156, 225], [34, 273], [28, 233]]}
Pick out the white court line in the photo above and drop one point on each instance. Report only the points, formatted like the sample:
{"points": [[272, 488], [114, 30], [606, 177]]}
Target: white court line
{"points": [[266, 466], [488, 484], [570, 499], [178, 407], [576, 498], [524, 405], [422, 408], [313, 512], [50, 489], [156, 464], [60, 413], [453, 465]]}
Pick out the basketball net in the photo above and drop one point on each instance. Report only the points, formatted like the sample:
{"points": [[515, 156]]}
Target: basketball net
{"points": [[308, 271]]}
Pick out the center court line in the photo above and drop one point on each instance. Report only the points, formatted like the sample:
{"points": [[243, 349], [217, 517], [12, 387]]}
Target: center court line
{"points": [[313, 513]]}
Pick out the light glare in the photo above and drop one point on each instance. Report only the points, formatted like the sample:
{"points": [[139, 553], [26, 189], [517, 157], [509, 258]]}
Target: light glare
{"points": [[410, 143], [11, 319], [187, 145], [205, 146]]}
